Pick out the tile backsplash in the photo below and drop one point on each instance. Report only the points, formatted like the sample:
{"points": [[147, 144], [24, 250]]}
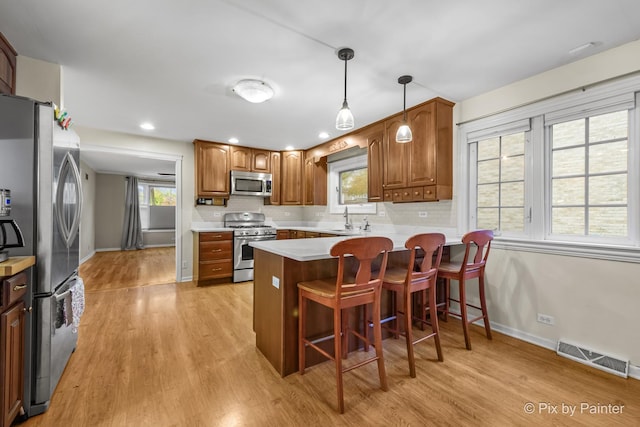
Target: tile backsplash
{"points": [[431, 214]]}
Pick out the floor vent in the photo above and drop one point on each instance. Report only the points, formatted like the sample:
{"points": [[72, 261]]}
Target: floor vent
{"points": [[592, 358]]}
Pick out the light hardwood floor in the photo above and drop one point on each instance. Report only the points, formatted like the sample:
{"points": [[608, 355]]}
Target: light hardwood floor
{"points": [[129, 269], [182, 355]]}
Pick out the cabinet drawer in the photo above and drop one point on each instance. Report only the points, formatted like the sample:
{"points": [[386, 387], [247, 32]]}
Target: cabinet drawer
{"points": [[311, 234], [412, 194], [215, 250], [282, 234], [430, 193], [215, 269], [216, 236], [14, 288]]}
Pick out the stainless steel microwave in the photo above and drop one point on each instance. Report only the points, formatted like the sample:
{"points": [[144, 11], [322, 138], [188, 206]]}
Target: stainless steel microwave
{"points": [[251, 183]]}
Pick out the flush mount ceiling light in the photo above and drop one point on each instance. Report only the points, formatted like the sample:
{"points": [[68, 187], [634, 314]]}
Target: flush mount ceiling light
{"points": [[344, 121], [404, 135], [255, 91], [147, 126]]}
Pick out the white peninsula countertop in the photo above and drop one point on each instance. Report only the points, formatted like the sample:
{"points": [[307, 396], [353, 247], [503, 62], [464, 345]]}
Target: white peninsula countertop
{"points": [[319, 248]]}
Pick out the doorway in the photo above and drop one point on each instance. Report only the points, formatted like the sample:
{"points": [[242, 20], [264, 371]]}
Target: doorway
{"points": [[148, 165]]}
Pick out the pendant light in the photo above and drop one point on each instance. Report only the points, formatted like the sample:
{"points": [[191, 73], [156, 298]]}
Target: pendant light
{"points": [[404, 135], [344, 120]]}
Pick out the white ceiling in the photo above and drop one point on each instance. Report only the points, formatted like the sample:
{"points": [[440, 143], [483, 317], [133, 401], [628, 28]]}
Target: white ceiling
{"points": [[173, 62], [129, 164]]}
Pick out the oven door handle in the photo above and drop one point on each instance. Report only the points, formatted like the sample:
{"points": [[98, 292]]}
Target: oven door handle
{"points": [[255, 239]]}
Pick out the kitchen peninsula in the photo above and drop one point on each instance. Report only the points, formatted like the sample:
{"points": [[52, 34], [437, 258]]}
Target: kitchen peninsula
{"points": [[279, 266]]}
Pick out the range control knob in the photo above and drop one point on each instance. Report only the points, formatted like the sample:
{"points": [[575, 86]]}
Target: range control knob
{"points": [[256, 232]]}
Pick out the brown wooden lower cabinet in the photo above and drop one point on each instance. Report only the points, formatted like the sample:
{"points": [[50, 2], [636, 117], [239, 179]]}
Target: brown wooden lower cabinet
{"points": [[214, 254], [12, 319]]}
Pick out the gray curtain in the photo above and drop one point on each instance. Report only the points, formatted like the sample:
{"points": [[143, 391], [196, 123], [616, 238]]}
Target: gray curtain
{"points": [[132, 227]]}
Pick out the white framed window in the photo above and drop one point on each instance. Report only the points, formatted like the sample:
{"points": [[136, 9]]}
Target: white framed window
{"points": [[348, 184], [555, 176], [588, 194], [157, 205], [498, 191]]}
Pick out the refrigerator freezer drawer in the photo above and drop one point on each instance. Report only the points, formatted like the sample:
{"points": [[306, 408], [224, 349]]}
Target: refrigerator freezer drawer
{"points": [[55, 341]]}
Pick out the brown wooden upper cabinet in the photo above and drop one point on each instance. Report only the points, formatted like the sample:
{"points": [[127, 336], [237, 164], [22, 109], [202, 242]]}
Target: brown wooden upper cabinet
{"points": [[7, 67], [421, 170], [276, 175], [291, 174], [315, 181], [374, 136], [250, 159], [212, 169]]}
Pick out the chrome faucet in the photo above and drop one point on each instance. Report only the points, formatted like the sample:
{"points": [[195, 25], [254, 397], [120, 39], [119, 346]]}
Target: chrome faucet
{"points": [[347, 224], [366, 226]]}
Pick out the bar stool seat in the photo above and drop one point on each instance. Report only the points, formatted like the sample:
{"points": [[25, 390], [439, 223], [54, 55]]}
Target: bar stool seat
{"points": [[471, 267], [407, 282], [341, 294]]}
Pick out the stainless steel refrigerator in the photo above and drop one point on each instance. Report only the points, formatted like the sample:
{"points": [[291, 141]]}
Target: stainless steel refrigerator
{"points": [[39, 163]]}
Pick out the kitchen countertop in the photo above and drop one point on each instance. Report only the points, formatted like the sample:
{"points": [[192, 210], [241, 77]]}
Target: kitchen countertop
{"points": [[319, 248], [16, 264]]}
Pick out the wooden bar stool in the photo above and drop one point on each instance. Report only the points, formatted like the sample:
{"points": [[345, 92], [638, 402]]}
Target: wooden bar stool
{"points": [[340, 294], [406, 282], [470, 268]]}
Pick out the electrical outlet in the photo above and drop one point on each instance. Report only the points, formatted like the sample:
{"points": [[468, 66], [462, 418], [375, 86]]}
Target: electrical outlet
{"points": [[275, 281], [382, 213], [216, 214], [185, 264], [422, 214], [546, 319]]}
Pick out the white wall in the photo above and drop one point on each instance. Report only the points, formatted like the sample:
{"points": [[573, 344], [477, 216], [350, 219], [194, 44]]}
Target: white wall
{"points": [[39, 80], [109, 211], [594, 302]]}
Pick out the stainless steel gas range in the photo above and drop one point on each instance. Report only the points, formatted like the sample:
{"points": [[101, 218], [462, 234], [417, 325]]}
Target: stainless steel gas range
{"points": [[247, 227]]}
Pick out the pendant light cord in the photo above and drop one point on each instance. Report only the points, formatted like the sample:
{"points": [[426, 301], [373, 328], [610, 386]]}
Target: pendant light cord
{"points": [[404, 104], [345, 81]]}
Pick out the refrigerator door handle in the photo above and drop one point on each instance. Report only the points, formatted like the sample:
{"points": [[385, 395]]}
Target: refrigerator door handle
{"points": [[69, 231]]}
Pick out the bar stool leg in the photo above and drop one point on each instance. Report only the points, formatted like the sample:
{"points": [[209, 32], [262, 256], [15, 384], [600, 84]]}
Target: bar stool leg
{"points": [[433, 313], [377, 339], [344, 329], [302, 314], [337, 326], [408, 332], [463, 313], [483, 305], [447, 294]]}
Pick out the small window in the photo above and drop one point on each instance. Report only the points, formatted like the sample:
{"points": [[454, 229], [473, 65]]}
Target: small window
{"points": [[157, 205], [348, 186], [353, 187], [500, 183]]}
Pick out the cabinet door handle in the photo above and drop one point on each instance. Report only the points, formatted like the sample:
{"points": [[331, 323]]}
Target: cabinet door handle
{"points": [[415, 193], [216, 269], [27, 310], [406, 194], [216, 250], [18, 287]]}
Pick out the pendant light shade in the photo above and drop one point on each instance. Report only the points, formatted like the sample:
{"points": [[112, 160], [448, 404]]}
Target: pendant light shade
{"points": [[404, 135], [344, 120]]}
